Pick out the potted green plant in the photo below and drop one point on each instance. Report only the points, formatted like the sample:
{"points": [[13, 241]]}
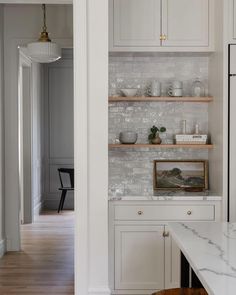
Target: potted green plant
{"points": [[154, 137]]}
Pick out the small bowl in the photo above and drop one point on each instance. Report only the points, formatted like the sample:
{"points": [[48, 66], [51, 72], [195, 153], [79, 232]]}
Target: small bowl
{"points": [[129, 91], [128, 137]]}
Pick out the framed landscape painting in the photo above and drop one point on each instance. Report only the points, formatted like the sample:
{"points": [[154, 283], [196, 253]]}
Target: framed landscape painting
{"points": [[187, 175]]}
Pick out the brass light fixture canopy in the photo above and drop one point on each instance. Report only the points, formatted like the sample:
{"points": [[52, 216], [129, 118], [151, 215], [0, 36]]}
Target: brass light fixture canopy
{"points": [[44, 51]]}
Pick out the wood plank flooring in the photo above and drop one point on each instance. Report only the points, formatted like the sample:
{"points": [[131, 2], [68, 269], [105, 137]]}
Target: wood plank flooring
{"points": [[45, 264]]}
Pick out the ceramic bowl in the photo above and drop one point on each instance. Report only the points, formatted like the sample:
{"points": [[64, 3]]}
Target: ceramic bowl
{"points": [[129, 91], [128, 137]]}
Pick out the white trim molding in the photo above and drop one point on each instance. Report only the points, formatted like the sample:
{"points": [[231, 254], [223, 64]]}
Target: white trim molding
{"points": [[99, 291], [91, 153], [38, 208], [36, 1]]}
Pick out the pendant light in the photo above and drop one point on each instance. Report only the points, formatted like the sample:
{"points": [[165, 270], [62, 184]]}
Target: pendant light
{"points": [[44, 51]]}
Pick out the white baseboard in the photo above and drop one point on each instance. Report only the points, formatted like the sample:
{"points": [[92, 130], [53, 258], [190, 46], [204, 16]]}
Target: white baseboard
{"points": [[38, 208], [99, 291], [3, 247]]}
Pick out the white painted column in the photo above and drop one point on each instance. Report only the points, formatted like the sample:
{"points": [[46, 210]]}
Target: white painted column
{"points": [[2, 211], [91, 152]]}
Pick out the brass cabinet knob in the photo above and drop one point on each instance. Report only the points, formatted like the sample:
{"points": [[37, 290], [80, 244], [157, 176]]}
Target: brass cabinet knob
{"points": [[189, 212], [163, 37], [165, 234], [140, 212]]}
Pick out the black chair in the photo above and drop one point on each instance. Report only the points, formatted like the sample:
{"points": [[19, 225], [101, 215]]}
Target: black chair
{"points": [[62, 175]]}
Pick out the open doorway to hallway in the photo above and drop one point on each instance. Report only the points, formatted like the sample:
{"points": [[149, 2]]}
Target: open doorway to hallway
{"points": [[45, 142], [45, 111]]}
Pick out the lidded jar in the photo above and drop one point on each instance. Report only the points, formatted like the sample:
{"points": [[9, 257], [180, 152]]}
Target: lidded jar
{"points": [[198, 88]]}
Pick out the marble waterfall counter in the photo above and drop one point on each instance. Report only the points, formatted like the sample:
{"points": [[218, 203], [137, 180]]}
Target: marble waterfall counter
{"points": [[210, 248]]}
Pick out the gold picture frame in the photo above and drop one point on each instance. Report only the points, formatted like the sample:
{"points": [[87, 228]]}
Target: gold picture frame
{"points": [[186, 175]]}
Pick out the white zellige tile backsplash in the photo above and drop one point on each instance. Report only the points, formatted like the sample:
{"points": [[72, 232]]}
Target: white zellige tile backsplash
{"points": [[130, 171]]}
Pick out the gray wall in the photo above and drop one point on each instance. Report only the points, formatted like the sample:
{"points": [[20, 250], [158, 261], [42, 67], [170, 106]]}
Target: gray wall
{"points": [[58, 127], [131, 171], [37, 137]]}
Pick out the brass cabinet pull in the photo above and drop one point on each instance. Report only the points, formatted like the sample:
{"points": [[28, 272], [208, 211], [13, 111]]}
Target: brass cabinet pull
{"points": [[166, 234], [189, 212], [140, 212], [163, 37]]}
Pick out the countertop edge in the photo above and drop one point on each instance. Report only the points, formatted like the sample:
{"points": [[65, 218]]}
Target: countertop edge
{"points": [[164, 198]]}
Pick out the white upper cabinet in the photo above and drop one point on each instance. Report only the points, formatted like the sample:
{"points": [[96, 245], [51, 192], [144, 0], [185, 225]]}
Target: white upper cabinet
{"points": [[161, 25], [135, 23], [185, 23]]}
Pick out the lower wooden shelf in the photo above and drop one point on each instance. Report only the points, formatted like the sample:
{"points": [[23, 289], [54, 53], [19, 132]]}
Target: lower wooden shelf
{"points": [[161, 146]]}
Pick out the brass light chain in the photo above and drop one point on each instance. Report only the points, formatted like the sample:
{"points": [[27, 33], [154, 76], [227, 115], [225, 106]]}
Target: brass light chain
{"points": [[44, 37]]}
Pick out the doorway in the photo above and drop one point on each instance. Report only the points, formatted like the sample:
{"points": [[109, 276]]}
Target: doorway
{"points": [[45, 114]]}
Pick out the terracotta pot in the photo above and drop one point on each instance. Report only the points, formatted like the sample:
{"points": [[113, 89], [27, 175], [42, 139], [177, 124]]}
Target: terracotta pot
{"points": [[156, 140]]}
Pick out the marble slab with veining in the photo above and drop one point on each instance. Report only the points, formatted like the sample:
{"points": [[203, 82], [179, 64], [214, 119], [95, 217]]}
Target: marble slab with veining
{"points": [[210, 248], [169, 197]]}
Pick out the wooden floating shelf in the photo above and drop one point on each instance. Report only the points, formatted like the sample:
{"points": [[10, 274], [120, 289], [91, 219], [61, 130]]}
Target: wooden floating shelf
{"points": [[161, 146], [160, 99]]}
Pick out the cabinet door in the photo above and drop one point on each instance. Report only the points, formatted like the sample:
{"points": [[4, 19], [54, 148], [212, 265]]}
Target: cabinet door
{"points": [[234, 19], [139, 257], [134, 23], [172, 263], [185, 22]]}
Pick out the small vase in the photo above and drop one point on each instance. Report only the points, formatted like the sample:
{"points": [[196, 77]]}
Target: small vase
{"points": [[156, 140]]}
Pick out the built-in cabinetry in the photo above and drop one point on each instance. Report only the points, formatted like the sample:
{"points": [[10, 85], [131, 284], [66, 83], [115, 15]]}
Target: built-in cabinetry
{"points": [[232, 21], [143, 256], [139, 257], [161, 25]]}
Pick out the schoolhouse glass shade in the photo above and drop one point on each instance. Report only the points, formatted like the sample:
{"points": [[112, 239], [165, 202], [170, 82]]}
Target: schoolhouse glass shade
{"points": [[44, 52]]}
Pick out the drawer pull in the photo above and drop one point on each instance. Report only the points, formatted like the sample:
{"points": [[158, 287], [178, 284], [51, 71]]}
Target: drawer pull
{"points": [[189, 212], [140, 212], [165, 234]]}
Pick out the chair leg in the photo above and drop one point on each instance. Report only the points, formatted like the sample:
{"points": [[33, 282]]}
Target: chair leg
{"points": [[61, 201]]}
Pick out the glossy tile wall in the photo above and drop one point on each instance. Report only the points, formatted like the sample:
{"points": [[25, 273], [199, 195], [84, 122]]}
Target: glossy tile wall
{"points": [[130, 171]]}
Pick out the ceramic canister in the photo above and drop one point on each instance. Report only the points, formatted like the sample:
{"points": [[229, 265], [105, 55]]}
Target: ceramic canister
{"points": [[155, 88]]}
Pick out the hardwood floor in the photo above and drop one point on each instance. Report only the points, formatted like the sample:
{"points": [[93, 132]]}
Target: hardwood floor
{"points": [[45, 264]]}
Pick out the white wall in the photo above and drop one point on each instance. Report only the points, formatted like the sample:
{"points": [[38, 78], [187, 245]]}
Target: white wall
{"points": [[2, 230], [22, 24]]}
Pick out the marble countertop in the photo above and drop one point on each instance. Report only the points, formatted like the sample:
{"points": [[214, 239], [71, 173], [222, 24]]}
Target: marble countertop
{"points": [[169, 197], [210, 248]]}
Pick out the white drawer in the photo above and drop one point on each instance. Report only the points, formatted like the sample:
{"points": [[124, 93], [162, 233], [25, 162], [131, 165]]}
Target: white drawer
{"points": [[165, 212]]}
